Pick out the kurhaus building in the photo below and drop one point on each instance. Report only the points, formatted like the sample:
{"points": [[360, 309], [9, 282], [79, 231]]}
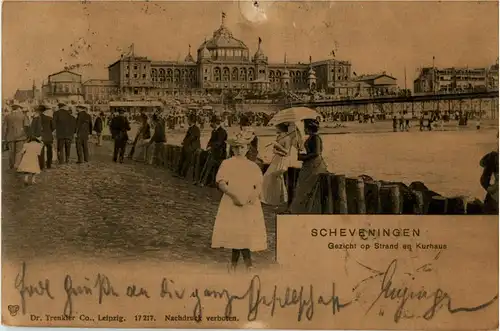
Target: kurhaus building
{"points": [[224, 62]]}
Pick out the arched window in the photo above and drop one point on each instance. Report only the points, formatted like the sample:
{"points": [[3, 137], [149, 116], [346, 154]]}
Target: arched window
{"points": [[217, 74], [243, 74], [234, 75], [162, 75], [271, 76], [225, 74], [177, 75], [154, 75], [251, 74]]}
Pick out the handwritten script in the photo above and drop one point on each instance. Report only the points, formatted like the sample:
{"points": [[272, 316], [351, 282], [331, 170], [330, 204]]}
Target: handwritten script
{"points": [[394, 286], [303, 298]]}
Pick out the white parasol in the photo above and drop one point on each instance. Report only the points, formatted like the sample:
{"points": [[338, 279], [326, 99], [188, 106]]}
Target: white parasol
{"points": [[293, 115]]}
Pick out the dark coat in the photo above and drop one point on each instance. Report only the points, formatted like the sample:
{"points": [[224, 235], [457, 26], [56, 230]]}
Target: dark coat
{"points": [[47, 128], [43, 126], [191, 141], [159, 134], [119, 126], [98, 125], [489, 162], [217, 143], [64, 123], [83, 125]]}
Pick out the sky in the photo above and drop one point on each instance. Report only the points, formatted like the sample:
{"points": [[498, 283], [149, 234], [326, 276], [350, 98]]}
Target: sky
{"points": [[40, 38]]}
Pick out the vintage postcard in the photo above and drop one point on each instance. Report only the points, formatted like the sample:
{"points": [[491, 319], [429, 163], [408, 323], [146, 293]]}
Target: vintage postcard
{"points": [[250, 164]]}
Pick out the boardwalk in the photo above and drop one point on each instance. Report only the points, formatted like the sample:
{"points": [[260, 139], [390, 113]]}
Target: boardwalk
{"points": [[118, 211]]}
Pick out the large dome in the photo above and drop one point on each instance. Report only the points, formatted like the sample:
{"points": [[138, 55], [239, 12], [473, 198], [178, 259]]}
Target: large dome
{"points": [[223, 38]]}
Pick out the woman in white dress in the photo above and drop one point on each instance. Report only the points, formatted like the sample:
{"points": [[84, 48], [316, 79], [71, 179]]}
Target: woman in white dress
{"points": [[239, 224], [29, 164], [274, 191]]}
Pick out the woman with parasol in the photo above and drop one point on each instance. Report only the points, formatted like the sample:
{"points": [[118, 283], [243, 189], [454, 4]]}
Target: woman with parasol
{"points": [[310, 152], [312, 165], [274, 191]]}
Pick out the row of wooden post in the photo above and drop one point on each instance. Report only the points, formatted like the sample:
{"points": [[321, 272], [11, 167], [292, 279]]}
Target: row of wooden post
{"points": [[338, 194]]}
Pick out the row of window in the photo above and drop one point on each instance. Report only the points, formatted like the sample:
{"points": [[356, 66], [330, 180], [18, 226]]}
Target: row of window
{"points": [[136, 67], [65, 88], [175, 79], [461, 78], [243, 74], [168, 73], [97, 89], [136, 76], [227, 53], [293, 80]]}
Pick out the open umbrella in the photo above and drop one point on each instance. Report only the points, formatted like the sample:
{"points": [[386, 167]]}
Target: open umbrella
{"points": [[293, 115]]}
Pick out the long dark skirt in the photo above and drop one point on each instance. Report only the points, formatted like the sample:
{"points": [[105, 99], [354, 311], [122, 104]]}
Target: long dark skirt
{"points": [[490, 205], [308, 176]]}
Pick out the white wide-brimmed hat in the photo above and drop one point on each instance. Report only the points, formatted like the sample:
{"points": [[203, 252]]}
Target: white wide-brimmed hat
{"points": [[241, 139]]}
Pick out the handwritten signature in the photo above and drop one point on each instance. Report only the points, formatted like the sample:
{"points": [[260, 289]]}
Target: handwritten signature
{"points": [[437, 298]]}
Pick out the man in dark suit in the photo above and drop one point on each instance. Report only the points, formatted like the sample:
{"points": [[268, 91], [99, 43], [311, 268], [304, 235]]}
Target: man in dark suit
{"points": [[216, 148], [158, 137], [98, 127], [119, 126], [190, 144], [83, 130], [64, 124], [43, 126]]}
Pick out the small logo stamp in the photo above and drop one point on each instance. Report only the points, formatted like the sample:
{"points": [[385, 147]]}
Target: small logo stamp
{"points": [[13, 309]]}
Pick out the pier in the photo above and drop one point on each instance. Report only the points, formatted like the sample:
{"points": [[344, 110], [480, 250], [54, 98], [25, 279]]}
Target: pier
{"points": [[476, 102]]}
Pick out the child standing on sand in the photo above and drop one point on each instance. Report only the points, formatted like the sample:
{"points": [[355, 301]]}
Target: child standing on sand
{"points": [[29, 164], [239, 224]]}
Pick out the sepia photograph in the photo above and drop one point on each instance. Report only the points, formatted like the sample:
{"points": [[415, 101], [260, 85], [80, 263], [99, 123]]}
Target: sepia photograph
{"points": [[178, 132]]}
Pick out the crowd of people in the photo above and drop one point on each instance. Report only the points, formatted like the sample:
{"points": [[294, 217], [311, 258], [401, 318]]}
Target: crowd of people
{"points": [[239, 223], [34, 142]]}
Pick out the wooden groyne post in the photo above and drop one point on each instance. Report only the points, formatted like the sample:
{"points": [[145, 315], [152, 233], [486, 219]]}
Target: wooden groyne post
{"points": [[339, 194]]}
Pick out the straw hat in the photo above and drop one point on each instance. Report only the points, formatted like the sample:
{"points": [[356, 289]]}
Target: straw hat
{"points": [[16, 106]]}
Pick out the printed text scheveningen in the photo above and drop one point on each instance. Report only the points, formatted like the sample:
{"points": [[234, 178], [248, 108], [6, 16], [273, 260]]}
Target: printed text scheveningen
{"points": [[365, 233]]}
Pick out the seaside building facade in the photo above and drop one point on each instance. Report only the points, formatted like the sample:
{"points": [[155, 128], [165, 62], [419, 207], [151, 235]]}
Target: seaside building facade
{"points": [[64, 85], [220, 63], [456, 80], [226, 63]]}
